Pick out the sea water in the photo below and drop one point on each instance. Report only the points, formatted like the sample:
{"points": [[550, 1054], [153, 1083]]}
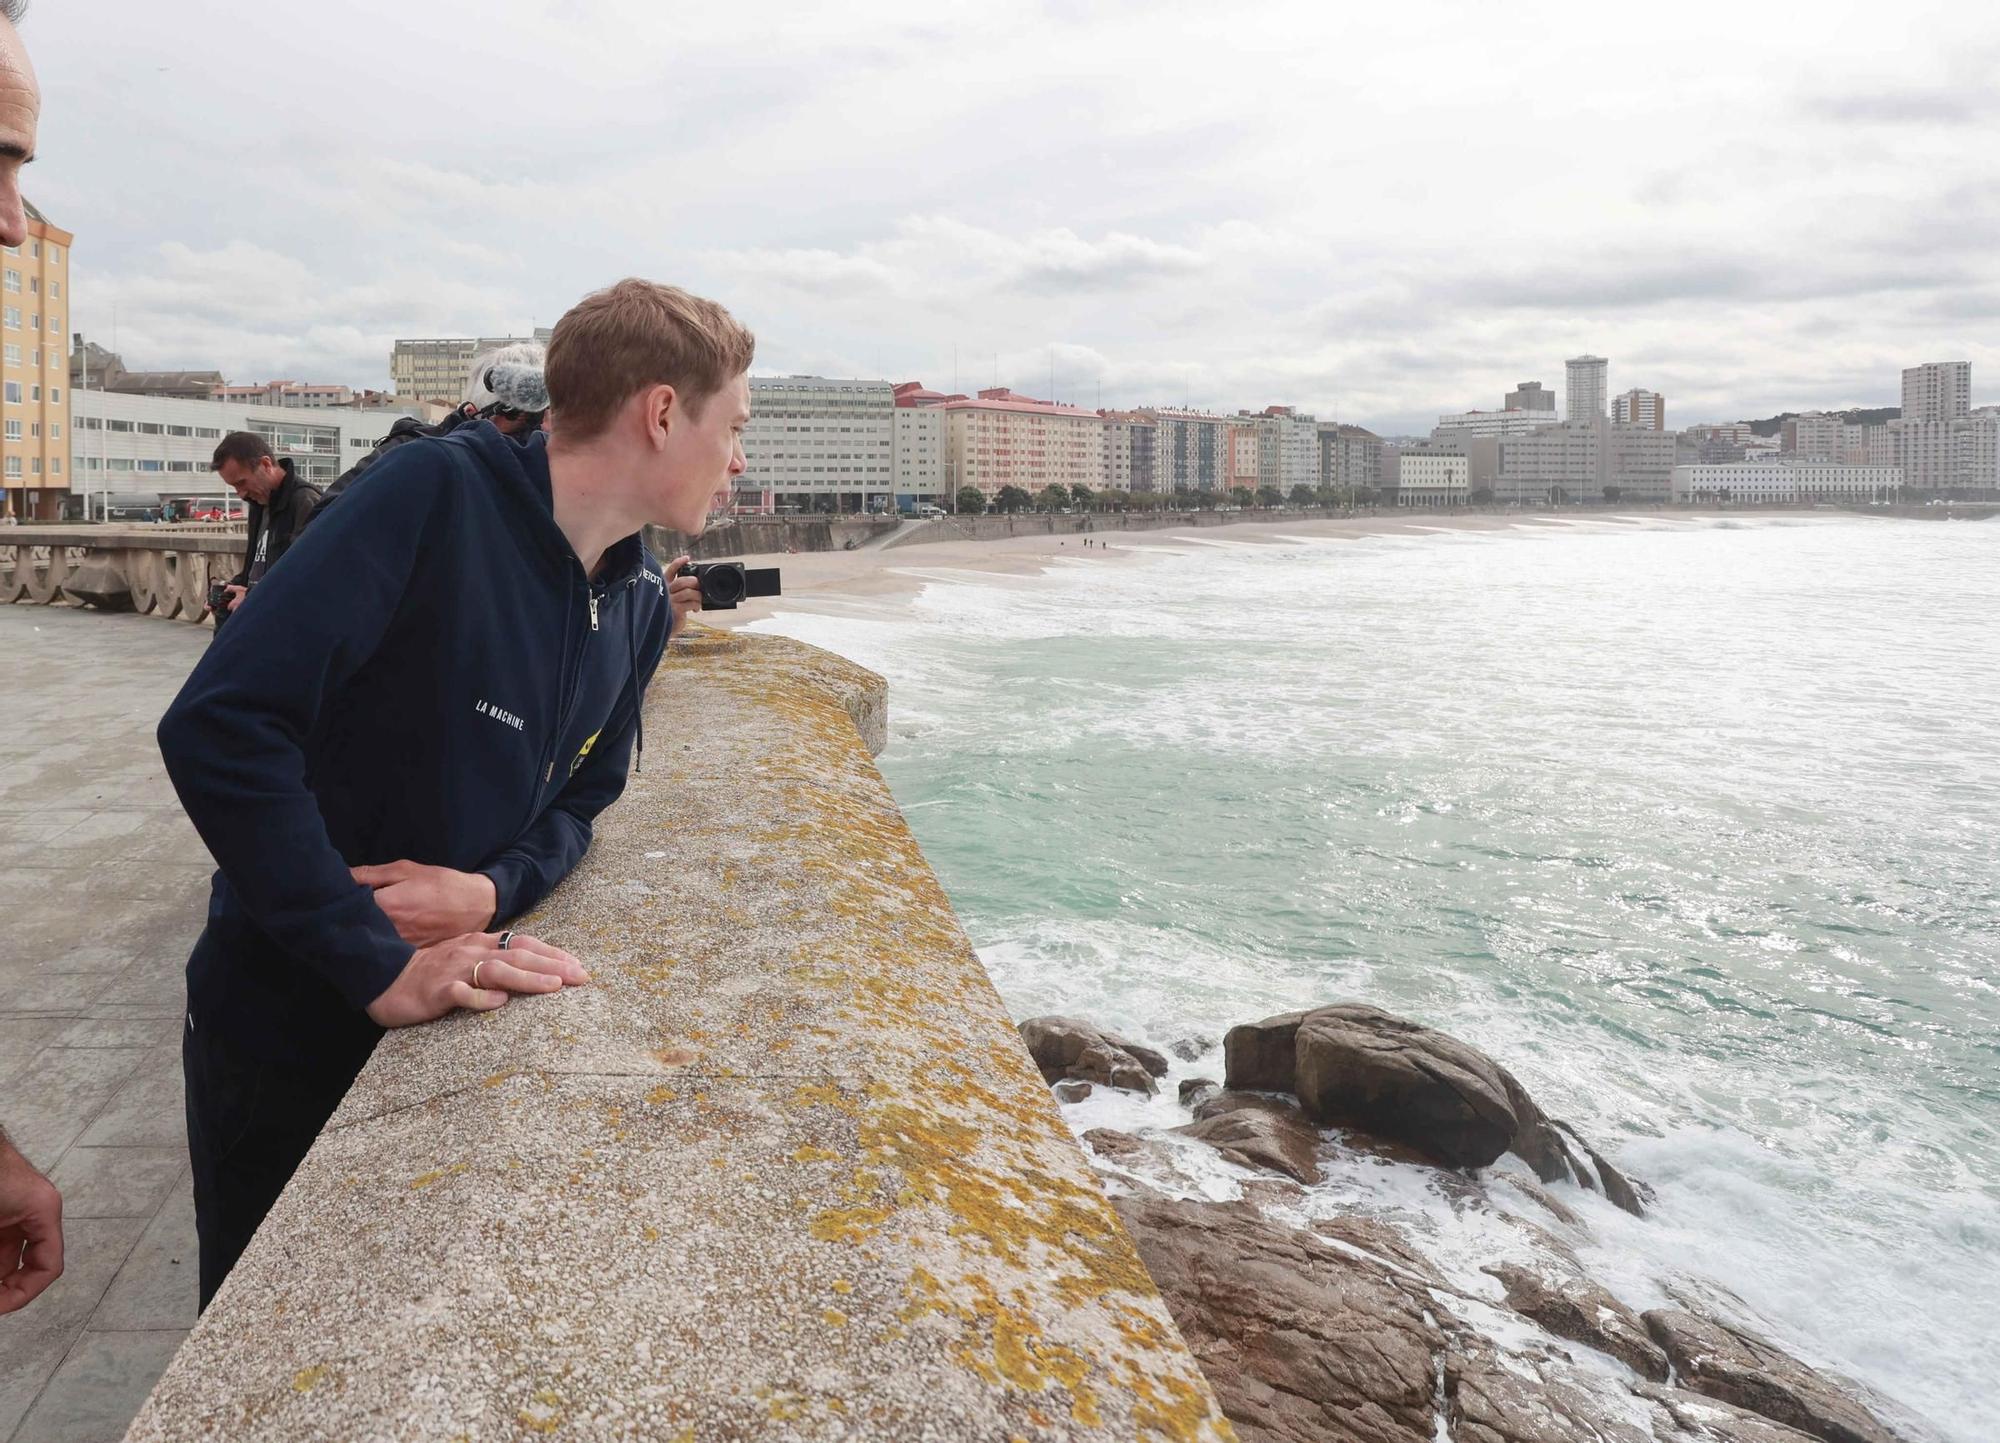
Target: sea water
{"points": [[1693, 824]]}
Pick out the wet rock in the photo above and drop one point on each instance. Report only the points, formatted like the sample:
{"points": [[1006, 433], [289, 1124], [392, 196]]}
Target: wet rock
{"points": [[1490, 1402], [1542, 1198], [1357, 1066], [1742, 1369], [1272, 1192], [1261, 1132], [1302, 1342], [1614, 1184], [1689, 1417], [1072, 1089], [1581, 1311], [1262, 1056], [1193, 1049], [1070, 1047], [1384, 1243], [1109, 1142], [1195, 1090]]}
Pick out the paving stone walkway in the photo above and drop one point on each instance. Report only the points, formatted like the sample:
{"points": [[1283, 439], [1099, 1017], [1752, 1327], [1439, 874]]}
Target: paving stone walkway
{"points": [[103, 886]]}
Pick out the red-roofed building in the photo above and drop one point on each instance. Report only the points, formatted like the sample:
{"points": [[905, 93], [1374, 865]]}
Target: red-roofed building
{"points": [[1002, 438]]}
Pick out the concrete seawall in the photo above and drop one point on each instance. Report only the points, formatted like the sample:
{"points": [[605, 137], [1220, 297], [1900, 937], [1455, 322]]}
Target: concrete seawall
{"points": [[784, 1170]]}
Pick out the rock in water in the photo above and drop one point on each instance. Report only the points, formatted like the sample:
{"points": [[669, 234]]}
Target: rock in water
{"points": [[1070, 1047], [1578, 1309], [1356, 1066], [1260, 1132], [1196, 1090], [1742, 1369], [1491, 1402], [1359, 1066], [1072, 1089], [1192, 1049], [1262, 1056], [1301, 1342]]}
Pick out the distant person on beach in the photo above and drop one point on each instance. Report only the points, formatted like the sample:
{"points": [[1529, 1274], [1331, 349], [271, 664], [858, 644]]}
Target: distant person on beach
{"points": [[404, 742]]}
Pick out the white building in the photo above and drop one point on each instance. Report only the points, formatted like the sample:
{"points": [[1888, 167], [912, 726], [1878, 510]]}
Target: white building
{"points": [[434, 368], [1491, 423], [818, 443], [1640, 408], [1804, 481], [1287, 448], [919, 467], [143, 448], [1433, 479], [1128, 450], [1589, 388]]}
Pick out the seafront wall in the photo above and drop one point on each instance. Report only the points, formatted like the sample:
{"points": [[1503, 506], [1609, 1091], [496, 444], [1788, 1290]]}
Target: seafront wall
{"points": [[783, 1170]]}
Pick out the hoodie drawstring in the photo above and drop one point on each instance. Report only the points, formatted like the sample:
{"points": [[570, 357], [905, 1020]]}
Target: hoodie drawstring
{"points": [[638, 692]]}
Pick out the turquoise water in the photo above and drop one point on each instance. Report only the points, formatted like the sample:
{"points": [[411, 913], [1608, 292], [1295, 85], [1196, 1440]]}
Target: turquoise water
{"points": [[1694, 827]]}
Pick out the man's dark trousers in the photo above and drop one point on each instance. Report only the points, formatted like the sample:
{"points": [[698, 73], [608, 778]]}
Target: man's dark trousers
{"points": [[250, 1123]]}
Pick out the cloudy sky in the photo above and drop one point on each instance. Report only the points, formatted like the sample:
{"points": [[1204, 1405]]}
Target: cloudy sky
{"points": [[1750, 206]]}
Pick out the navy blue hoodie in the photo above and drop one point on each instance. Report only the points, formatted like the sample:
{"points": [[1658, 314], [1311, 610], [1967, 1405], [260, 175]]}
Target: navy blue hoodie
{"points": [[428, 675]]}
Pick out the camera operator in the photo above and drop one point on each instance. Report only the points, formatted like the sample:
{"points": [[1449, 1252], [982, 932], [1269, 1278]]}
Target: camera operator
{"points": [[505, 386], [405, 743], [280, 506]]}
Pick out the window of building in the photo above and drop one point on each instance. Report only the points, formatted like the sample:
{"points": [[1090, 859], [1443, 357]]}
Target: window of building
{"points": [[55, 465], [55, 290], [180, 430], [35, 429], [34, 393], [147, 428], [13, 466], [34, 465], [34, 285], [117, 425], [34, 320], [55, 430], [10, 317], [207, 433], [13, 430], [55, 395], [12, 281], [55, 325], [13, 393], [13, 354], [35, 249]]}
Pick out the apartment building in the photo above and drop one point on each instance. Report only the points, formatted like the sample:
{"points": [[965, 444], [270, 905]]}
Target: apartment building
{"points": [[134, 450], [1129, 442], [299, 395], [918, 470], [1640, 408], [1350, 457], [33, 481], [1192, 450], [819, 443], [1588, 388], [1491, 423], [1000, 438], [1804, 480]]}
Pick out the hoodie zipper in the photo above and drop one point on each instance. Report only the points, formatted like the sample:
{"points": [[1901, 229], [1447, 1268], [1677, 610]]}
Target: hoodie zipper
{"points": [[571, 693]]}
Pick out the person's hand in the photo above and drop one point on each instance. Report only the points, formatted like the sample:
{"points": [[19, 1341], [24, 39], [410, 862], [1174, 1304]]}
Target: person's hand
{"points": [[438, 979], [429, 904], [235, 594], [31, 1242], [683, 592]]}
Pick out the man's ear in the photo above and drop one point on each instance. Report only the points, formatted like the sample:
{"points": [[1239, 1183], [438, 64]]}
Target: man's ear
{"points": [[659, 409]]}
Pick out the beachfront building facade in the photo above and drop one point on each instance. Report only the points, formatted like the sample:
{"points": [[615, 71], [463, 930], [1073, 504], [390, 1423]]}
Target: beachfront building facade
{"points": [[1288, 450], [130, 452], [1000, 438], [1243, 458], [1129, 445], [1581, 461], [33, 482], [1192, 451], [1350, 458], [1787, 482], [1433, 479], [818, 443], [918, 473]]}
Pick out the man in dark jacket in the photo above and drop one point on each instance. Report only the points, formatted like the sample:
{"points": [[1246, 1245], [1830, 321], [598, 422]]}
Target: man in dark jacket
{"points": [[405, 740], [280, 506]]}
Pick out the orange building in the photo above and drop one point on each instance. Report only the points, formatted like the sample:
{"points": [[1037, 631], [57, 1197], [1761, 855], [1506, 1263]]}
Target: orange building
{"points": [[34, 365]]}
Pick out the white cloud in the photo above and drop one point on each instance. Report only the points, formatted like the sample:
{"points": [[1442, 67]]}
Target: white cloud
{"points": [[1377, 214]]}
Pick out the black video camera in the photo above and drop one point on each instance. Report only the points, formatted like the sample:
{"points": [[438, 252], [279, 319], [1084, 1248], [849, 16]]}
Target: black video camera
{"points": [[725, 583], [218, 598]]}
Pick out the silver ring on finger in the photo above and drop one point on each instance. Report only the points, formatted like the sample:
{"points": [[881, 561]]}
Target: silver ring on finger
{"points": [[475, 971], [506, 939]]}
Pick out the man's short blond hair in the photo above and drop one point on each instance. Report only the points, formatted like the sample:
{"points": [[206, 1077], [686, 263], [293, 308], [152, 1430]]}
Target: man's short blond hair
{"points": [[633, 335]]}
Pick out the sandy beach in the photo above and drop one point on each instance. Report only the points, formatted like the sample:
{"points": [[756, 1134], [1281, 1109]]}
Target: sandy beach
{"points": [[831, 580]]}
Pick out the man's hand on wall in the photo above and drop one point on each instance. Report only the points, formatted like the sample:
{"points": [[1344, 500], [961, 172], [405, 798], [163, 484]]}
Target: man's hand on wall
{"points": [[439, 978], [429, 904], [31, 1241], [683, 592]]}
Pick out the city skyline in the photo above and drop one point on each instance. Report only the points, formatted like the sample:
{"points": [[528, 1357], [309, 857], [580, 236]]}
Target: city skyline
{"points": [[1162, 203]]}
